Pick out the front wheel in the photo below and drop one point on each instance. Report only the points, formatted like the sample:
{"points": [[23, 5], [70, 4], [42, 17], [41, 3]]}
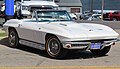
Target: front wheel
{"points": [[102, 52], [114, 19], [54, 47], [13, 38]]}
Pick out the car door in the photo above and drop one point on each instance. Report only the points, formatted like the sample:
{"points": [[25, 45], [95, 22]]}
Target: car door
{"points": [[26, 30], [40, 33]]}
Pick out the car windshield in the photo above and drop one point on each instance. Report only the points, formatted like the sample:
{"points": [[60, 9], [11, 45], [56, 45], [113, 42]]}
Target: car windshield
{"points": [[53, 16]]}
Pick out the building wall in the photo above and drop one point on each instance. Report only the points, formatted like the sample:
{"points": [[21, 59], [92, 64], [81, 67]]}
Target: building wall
{"points": [[72, 9], [109, 5], [73, 6]]}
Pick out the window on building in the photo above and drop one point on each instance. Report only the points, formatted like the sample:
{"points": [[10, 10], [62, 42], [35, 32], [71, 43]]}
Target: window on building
{"points": [[75, 10]]}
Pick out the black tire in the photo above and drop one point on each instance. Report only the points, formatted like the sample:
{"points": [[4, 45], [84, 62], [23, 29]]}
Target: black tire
{"points": [[13, 38], [101, 52], [54, 48], [114, 19]]}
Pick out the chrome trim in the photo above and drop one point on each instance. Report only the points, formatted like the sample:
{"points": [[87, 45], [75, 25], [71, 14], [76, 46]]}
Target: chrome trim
{"points": [[32, 44], [80, 47], [111, 41], [76, 47], [77, 42], [106, 44], [86, 45]]}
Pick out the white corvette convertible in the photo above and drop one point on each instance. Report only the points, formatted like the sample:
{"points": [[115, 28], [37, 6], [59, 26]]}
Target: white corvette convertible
{"points": [[55, 32]]}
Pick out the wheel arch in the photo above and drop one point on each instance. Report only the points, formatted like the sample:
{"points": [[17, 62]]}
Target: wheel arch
{"points": [[49, 35], [9, 28]]}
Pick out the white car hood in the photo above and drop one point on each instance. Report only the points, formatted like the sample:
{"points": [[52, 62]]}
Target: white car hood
{"points": [[88, 30]]}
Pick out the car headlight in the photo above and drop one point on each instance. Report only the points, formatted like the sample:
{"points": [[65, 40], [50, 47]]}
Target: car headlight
{"points": [[25, 8]]}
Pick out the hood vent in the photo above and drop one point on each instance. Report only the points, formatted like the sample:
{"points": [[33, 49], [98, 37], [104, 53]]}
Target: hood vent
{"points": [[63, 24]]}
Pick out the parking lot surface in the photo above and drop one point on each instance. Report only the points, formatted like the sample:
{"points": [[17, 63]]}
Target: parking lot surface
{"points": [[29, 58]]}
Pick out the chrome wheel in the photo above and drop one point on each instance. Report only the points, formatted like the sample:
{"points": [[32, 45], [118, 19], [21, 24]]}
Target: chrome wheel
{"points": [[12, 38], [54, 46]]}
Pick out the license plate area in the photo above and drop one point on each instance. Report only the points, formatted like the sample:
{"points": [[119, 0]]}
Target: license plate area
{"points": [[95, 46]]}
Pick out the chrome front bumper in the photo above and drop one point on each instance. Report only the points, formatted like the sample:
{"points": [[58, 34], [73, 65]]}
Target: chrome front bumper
{"points": [[86, 45]]}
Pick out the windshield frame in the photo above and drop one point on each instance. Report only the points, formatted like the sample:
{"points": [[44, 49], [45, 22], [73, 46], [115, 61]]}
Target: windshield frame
{"points": [[66, 13]]}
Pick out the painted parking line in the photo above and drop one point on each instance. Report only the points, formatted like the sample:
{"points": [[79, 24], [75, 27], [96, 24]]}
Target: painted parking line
{"points": [[63, 67]]}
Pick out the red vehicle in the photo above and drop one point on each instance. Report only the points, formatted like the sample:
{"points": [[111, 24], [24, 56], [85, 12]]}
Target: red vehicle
{"points": [[115, 16]]}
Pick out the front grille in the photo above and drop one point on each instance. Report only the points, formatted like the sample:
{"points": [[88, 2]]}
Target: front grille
{"points": [[76, 45]]}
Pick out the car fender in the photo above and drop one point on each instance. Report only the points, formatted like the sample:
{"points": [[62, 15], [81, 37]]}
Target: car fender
{"points": [[11, 23]]}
